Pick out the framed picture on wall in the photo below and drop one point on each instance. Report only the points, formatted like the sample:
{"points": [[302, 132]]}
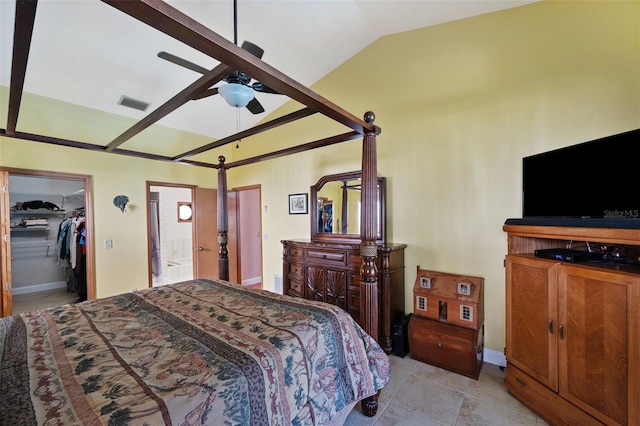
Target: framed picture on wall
{"points": [[299, 203]]}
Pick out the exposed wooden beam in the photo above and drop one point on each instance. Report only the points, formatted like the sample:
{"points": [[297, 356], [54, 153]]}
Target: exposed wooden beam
{"points": [[22, 33], [176, 24], [296, 149], [198, 86], [93, 147], [296, 115]]}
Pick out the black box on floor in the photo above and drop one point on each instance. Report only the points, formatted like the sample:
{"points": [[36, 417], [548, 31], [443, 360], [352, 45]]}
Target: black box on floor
{"points": [[401, 336]]}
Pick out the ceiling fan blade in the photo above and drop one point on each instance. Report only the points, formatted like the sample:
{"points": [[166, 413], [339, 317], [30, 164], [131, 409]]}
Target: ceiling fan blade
{"points": [[182, 62], [259, 87], [255, 107], [206, 93], [253, 49]]}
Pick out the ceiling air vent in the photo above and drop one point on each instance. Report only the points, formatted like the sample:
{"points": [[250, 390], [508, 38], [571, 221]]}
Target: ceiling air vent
{"points": [[133, 103]]}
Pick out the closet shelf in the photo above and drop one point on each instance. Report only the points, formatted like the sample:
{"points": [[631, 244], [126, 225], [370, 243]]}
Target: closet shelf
{"points": [[38, 212], [30, 229], [78, 194], [30, 250], [23, 197]]}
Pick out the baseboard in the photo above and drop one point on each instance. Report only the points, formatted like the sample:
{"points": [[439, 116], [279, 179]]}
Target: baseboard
{"points": [[38, 287], [252, 281], [494, 357]]}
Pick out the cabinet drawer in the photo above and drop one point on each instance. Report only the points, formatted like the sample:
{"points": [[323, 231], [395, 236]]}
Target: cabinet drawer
{"points": [[544, 401], [296, 271], [442, 335], [295, 287], [296, 252], [328, 257], [444, 345]]}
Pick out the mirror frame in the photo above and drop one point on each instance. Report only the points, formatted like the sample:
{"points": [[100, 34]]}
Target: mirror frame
{"points": [[321, 237], [182, 204]]}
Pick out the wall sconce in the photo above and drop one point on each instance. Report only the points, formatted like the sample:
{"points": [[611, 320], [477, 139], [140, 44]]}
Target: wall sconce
{"points": [[120, 201]]}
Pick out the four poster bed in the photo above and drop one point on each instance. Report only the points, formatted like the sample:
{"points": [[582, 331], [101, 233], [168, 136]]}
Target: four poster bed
{"points": [[202, 351]]}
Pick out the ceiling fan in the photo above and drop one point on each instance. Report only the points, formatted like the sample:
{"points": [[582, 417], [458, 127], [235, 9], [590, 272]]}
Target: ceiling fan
{"points": [[239, 90]]}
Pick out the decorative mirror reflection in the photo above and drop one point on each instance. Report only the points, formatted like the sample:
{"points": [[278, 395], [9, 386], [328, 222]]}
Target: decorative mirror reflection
{"points": [[335, 208], [184, 211]]}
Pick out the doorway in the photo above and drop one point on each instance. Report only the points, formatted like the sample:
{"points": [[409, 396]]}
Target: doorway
{"points": [[245, 236], [38, 269], [182, 233], [170, 234], [187, 248]]}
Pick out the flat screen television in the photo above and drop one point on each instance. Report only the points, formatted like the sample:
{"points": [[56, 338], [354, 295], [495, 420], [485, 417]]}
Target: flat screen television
{"points": [[596, 179]]}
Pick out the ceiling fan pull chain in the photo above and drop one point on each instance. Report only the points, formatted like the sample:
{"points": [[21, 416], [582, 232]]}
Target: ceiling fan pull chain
{"points": [[238, 127]]}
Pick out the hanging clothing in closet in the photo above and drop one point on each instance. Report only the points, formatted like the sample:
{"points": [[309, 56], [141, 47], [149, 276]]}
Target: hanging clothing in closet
{"points": [[71, 246]]}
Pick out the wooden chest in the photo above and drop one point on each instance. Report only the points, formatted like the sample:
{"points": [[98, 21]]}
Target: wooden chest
{"points": [[447, 346]]}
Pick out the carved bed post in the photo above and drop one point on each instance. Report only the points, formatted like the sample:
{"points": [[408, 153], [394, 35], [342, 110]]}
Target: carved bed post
{"points": [[223, 222], [368, 247]]}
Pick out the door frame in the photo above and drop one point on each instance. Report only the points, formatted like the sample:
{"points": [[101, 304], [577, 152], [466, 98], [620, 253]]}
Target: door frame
{"points": [[6, 300], [149, 184]]}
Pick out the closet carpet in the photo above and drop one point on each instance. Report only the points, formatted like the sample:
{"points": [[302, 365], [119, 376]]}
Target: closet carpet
{"points": [[42, 299]]}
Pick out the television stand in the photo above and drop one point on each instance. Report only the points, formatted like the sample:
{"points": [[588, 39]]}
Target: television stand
{"points": [[572, 335], [578, 222]]}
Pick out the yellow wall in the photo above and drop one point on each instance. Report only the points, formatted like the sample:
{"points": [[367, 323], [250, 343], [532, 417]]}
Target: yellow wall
{"points": [[459, 104], [124, 267]]}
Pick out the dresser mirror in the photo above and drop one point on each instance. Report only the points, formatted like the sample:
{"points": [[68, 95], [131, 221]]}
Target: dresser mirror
{"points": [[334, 208]]}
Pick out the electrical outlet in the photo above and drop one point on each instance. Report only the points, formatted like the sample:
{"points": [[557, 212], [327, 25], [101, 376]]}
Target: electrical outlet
{"points": [[108, 244]]}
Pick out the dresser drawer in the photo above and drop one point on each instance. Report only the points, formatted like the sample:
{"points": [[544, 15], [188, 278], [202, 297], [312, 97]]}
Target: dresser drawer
{"points": [[327, 257], [296, 271], [444, 345], [295, 252], [295, 287]]}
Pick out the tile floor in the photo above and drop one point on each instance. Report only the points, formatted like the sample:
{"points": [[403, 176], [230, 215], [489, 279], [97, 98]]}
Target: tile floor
{"points": [[423, 395]]}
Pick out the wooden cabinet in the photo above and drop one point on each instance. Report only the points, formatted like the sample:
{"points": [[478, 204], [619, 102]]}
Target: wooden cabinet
{"points": [[331, 273], [447, 346], [447, 325], [573, 330]]}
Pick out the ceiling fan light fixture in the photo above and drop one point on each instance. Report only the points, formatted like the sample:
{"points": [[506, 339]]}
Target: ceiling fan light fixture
{"points": [[237, 95]]}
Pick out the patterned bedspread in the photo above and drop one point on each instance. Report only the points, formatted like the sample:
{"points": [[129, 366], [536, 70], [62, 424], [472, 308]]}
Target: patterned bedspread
{"points": [[197, 352]]}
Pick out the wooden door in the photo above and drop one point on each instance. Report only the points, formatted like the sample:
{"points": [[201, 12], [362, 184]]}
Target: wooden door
{"points": [[5, 247], [315, 283], [531, 321], [594, 362], [336, 288], [232, 232], [245, 236], [205, 233]]}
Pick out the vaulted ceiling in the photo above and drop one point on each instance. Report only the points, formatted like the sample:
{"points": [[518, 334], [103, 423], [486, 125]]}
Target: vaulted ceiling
{"points": [[88, 53]]}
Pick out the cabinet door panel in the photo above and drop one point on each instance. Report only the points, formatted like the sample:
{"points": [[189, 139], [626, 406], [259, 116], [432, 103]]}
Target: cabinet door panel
{"points": [[593, 350], [315, 283], [337, 288], [531, 317]]}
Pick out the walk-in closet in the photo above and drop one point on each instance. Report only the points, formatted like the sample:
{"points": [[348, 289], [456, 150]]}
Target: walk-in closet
{"points": [[48, 238]]}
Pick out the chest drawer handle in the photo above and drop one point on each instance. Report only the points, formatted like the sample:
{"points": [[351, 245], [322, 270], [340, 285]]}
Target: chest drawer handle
{"points": [[324, 256], [522, 382], [440, 345]]}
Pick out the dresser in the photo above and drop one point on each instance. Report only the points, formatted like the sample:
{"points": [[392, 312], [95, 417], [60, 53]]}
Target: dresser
{"points": [[330, 272]]}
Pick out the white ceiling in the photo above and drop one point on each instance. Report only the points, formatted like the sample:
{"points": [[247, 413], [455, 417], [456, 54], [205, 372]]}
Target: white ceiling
{"points": [[87, 53]]}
